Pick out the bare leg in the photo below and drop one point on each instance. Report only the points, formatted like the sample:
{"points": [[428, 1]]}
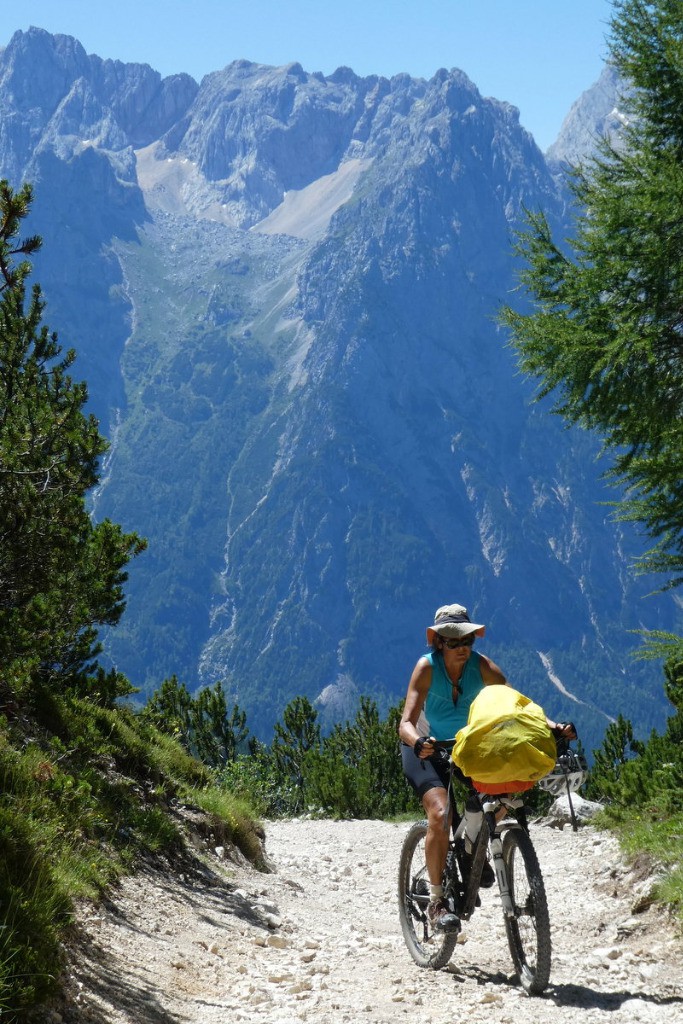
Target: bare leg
{"points": [[435, 804]]}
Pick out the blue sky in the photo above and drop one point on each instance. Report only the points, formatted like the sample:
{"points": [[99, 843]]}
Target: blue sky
{"points": [[538, 54]]}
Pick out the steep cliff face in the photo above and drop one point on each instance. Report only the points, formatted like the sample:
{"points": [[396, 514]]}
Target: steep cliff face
{"points": [[595, 113], [68, 125], [413, 462], [283, 288], [53, 93]]}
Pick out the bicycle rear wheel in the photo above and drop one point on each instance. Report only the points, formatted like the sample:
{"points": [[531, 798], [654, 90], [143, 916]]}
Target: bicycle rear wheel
{"points": [[528, 933], [428, 948]]}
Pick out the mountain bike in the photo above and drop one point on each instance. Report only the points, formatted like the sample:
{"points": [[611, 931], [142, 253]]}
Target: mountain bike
{"points": [[481, 825]]}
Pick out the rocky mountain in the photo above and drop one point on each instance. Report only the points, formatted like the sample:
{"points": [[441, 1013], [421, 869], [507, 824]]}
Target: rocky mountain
{"points": [[595, 113], [282, 287]]}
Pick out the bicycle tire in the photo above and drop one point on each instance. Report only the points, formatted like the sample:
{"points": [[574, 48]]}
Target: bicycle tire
{"points": [[528, 933], [428, 948]]}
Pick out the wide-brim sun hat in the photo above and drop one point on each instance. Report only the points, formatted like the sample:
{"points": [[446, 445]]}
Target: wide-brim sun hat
{"points": [[452, 621]]}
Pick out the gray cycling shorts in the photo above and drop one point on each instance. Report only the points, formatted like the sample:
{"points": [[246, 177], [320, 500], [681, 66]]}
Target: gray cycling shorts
{"points": [[424, 773]]}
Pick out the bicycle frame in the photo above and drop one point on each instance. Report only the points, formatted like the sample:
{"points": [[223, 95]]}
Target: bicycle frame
{"points": [[493, 834], [489, 835]]}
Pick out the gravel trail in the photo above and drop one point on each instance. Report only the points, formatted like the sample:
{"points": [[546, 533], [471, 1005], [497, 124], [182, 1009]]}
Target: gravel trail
{"points": [[319, 941]]}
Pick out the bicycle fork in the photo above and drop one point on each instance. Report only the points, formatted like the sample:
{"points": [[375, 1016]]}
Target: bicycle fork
{"points": [[496, 844], [490, 808]]}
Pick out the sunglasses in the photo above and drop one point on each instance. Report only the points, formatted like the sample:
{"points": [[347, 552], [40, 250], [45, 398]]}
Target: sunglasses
{"points": [[453, 642]]}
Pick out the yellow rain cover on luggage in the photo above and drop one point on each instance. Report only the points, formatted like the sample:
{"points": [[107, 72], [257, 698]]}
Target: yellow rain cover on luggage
{"points": [[506, 738]]}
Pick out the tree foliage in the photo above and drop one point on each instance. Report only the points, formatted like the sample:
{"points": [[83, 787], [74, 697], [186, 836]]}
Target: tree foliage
{"points": [[606, 329], [61, 576], [357, 772], [170, 710], [618, 746], [604, 337], [202, 724], [219, 734], [644, 777], [353, 772], [295, 740]]}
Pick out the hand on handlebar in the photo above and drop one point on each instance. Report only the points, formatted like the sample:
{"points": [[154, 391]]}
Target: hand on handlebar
{"points": [[424, 746]]}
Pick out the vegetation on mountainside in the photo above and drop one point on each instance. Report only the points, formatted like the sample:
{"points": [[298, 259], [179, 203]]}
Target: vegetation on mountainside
{"points": [[604, 337], [201, 724], [353, 771], [88, 787]]}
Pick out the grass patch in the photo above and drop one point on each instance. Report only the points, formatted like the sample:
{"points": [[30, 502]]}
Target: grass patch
{"points": [[407, 817], [232, 821]]}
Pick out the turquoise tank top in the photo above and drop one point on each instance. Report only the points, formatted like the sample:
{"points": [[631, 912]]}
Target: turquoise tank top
{"points": [[443, 716]]}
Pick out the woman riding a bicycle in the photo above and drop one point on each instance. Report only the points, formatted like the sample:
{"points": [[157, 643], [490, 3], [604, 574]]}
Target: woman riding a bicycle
{"points": [[442, 687]]}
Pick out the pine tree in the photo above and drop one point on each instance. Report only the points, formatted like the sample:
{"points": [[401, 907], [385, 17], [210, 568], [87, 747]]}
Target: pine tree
{"points": [[618, 747], [216, 735], [357, 772], [294, 738], [605, 335], [171, 709], [61, 576]]}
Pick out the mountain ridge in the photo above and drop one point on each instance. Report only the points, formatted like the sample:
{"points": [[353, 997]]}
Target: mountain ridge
{"points": [[594, 114], [323, 433]]}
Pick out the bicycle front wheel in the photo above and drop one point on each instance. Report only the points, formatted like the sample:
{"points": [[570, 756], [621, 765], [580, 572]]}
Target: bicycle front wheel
{"points": [[428, 948], [528, 932]]}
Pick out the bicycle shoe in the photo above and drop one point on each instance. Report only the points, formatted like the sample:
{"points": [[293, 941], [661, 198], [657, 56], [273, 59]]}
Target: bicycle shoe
{"points": [[442, 918]]}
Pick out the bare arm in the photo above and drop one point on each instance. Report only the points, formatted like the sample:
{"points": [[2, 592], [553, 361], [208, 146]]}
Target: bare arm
{"points": [[491, 674], [418, 688]]}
